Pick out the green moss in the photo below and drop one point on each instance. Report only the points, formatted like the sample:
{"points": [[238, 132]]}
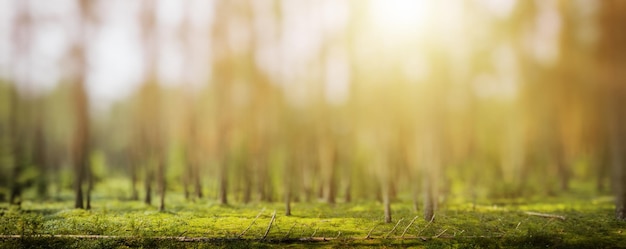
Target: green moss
{"points": [[589, 224]]}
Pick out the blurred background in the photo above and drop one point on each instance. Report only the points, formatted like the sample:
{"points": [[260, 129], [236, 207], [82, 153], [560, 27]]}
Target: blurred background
{"points": [[331, 100]]}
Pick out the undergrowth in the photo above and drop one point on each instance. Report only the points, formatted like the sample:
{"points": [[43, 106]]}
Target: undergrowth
{"points": [[589, 223]]}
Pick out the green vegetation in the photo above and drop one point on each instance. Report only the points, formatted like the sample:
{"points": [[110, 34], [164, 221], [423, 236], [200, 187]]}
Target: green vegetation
{"points": [[312, 123], [589, 223]]}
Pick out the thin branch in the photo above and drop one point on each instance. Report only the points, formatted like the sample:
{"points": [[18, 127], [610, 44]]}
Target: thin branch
{"points": [[290, 229], [314, 232], [560, 217], [251, 223], [269, 226], [338, 234], [431, 221], [394, 228], [370, 232], [407, 227], [218, 239], [437, 236]]}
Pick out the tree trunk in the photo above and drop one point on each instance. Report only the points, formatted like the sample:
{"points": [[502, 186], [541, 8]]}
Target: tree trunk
{"points": [[348, 193], [17, 150], [187, 175], [81, 144], [16, 187], [148, 186], [40, 159], [429, 203], [223, 181], [386, 202], [89, 187], [287, 202], [133, 161], [617, 163], [431, 161], [81, 147], [162, 182], [611, 55], [415, 198], [196, 179]]}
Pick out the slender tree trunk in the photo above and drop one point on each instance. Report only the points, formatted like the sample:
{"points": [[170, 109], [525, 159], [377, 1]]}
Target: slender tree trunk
{"points": [[386, 201], [429, 201], [288, 202], [81, 144], [223, 180], [601, 169], [133, 180], [39, 159], [89, 187], [327, 163], [196, 179], [186, 187], [247, 187], [16, 150], [347, 197], [81, 147], [432, 163], [415, 198], [22, 33], [617, 163], [16, 187], [148, 185], [162, 182]]}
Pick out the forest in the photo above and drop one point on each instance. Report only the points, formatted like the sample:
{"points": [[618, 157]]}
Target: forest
{"points": [[330, 123]]}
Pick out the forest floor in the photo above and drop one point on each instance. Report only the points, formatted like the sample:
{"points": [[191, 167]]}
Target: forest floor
{"points": [[554, 222]]}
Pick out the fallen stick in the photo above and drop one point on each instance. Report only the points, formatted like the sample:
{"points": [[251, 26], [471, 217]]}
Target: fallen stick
{"points": [[431, 221], [251, 223], [560, 217], [370, 232], [314, 232], [438, 235], [289, 232], [394, 228], [407, 227], [220, 239], [269, 226]]}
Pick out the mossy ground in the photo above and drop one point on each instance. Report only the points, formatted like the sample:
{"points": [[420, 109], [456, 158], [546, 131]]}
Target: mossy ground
{"points": [[589, 223]]}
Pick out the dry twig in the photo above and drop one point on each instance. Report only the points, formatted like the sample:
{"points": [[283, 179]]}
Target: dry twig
{"points": [[407, 227], [290, 229], [394, 228], [431, 221], [560, 217], [251, 223], [269, 226], [437, 236], [370, 232]]}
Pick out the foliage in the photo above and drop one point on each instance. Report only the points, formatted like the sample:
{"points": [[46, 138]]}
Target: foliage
{"points": [[588, 224]]}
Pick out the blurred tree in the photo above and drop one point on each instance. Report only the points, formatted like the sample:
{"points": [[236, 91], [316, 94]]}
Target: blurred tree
{"points": [[611, 59], [193, 133], [81, 140], [152, 149]]}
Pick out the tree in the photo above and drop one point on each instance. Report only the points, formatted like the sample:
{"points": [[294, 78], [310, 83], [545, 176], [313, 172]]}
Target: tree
{"points": [[81, 146], [153, 149], [611, 58]]}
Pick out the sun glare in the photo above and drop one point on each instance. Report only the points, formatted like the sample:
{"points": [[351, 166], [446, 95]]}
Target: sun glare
{"points": [[400, 17]]}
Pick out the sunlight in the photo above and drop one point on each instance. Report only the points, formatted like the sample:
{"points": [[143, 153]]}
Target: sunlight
{"points": [[400, 17]]}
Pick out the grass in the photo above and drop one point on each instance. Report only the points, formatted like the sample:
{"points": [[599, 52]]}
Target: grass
{"points": [[589, 223]]}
